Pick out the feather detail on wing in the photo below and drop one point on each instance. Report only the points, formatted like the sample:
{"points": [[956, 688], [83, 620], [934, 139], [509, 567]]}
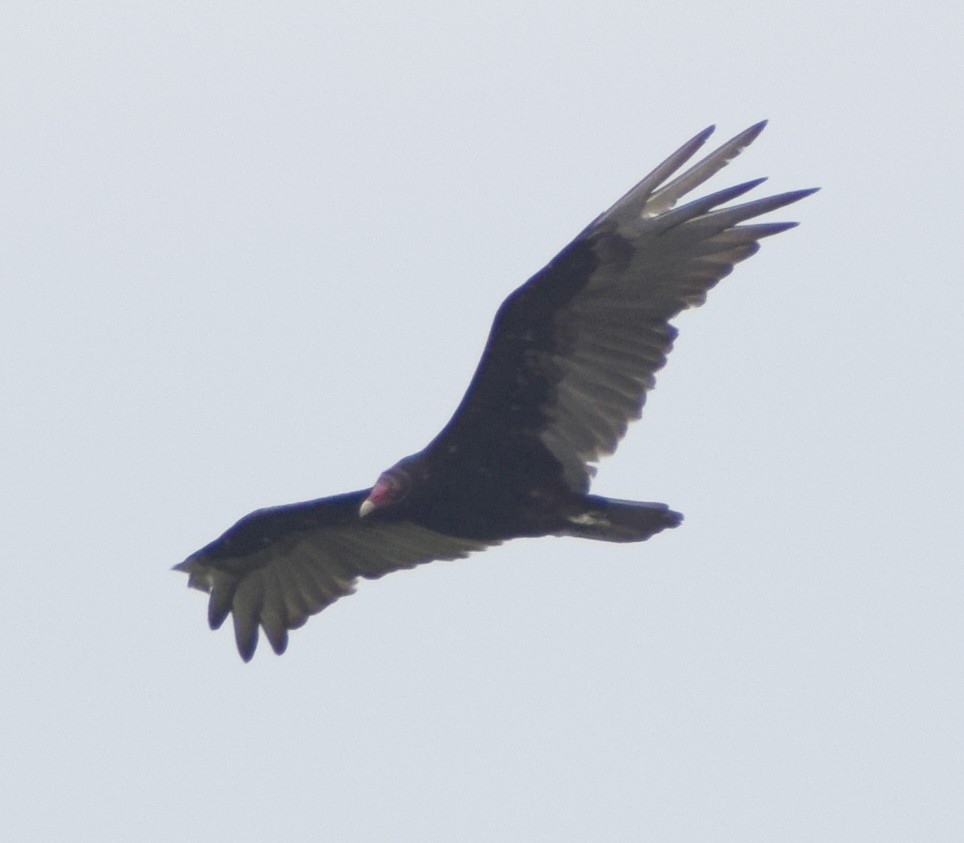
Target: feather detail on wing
{"points": [[573, 352], [277, 567]]}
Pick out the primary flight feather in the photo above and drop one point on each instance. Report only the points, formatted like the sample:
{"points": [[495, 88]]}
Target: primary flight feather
{"points": [[569, 360]]}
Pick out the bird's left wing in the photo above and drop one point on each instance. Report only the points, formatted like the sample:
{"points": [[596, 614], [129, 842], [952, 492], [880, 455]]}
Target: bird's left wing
{"points": [[276, 567]]}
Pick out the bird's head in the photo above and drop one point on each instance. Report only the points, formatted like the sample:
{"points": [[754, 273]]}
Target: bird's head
{"points": [[392, 487]]}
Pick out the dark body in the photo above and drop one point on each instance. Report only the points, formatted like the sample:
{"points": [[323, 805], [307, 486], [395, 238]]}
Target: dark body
{"points": [[569, 360], [487, 475]]}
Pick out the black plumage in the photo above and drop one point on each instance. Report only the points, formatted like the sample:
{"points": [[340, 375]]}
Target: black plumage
{"points": [[569, 360]]}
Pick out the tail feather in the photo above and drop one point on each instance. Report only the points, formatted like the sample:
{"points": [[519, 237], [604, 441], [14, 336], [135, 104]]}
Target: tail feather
{"points": [[609, 520]]}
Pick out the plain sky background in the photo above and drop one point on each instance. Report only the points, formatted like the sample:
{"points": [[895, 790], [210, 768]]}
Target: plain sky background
{"points": [[249, 255]]}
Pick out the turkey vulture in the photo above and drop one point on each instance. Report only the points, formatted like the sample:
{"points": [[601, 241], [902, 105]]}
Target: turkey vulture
{"points": [[568, 362]]}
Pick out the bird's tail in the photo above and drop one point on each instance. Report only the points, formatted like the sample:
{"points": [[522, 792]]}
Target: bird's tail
{"points": [[609, 520]]}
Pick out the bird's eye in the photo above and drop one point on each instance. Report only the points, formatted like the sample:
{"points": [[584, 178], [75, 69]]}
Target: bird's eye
{"points": [[397, 484]]}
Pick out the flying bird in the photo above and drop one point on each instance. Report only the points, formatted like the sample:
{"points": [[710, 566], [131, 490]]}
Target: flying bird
{"points": [[567, 365]]}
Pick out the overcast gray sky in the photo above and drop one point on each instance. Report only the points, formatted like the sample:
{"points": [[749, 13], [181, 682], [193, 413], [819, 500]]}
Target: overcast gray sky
{"points": [[250, 254]]}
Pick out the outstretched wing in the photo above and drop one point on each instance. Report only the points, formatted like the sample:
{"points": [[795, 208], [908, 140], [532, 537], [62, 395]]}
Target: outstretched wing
{"points": [[277, 567], [573, 352]]}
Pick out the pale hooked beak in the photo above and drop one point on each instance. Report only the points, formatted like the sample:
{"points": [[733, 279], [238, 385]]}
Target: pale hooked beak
{"points": [[378, 496]]}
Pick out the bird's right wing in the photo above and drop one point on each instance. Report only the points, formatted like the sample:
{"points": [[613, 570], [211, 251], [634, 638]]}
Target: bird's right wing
{"points": [[573, 352], [276, 567]]}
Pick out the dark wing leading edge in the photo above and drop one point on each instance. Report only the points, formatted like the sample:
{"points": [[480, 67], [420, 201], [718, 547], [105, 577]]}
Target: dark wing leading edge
{"points": [[277, 567], [572, 352]]}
